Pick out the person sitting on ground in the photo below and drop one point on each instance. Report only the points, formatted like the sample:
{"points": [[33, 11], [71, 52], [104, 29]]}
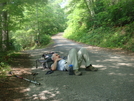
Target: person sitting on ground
{"points": [[75, 58]]}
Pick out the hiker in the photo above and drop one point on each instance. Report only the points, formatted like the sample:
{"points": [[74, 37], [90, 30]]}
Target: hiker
{"points": [[75, 58]]}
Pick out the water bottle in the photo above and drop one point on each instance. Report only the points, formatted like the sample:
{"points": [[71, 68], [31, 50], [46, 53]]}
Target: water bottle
{"points": [[71, 72]]}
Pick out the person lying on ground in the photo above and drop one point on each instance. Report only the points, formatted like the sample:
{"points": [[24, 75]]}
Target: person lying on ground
{"points": [[75, 58]]}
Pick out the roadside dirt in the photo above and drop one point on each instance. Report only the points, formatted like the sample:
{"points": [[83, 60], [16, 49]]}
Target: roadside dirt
{"points": [[113, 82], [12, 88]]}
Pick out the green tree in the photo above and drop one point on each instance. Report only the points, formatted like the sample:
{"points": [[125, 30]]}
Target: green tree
{"points": [[30, 19], [4, 26], [95, 21]]}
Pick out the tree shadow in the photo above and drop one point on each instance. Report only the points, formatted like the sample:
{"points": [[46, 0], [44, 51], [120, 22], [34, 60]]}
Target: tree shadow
{"points": [[11, 87], [113, 80]]}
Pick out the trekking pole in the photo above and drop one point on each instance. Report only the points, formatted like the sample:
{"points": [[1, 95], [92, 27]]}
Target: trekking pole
{"points": [[24, 78]]}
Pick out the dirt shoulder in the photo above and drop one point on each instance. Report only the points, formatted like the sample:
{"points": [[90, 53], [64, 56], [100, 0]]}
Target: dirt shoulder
{"points": [[12, 88]]}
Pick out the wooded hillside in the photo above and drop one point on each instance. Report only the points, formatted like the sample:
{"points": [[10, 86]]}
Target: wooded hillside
{"points": [[26, 22], [104, 23]]}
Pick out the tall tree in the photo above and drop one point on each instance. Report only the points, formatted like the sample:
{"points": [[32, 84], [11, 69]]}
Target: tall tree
{"points": [[37, 22], [90, 6], [4, 27]]}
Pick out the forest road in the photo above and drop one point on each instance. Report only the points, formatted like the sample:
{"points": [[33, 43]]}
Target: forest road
{"points": [[114, 81]]}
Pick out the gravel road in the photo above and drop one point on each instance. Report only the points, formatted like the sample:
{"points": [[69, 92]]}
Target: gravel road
{"points": [[114, 81]]}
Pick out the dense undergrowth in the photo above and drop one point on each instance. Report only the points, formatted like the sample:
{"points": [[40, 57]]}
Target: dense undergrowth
{"points": [[104, 23], [110, 37], [4, 64]]}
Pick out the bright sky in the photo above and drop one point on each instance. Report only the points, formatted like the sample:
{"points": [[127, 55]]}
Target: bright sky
{"points": [[64, 2]]}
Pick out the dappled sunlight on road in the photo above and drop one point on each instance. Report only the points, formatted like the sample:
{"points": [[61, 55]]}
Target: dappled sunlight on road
{"points": [[34, 94], [112, 82], [112, 60], [100, 67], [70, 44], [125, 64], [25, 90], [44, 95], [118, 74]]}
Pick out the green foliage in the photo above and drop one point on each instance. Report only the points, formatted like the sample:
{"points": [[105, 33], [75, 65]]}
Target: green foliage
{"points": [[45, 39], [28, 21], [33, 20], [4, 68], [122, 37], [101, 22], [121, 13]]}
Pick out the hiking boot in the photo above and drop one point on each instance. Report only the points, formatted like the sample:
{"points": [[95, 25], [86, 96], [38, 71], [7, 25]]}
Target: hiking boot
{"points": [[78, 73], [91, 68]]}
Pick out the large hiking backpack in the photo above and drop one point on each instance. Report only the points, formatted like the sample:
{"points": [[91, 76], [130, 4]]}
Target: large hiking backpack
{"points": [[47, 61]]}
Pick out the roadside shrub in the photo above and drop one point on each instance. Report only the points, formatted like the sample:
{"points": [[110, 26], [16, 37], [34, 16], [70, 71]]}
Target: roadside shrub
{"points": [[44, 39], [120, 37], [4, 68]]}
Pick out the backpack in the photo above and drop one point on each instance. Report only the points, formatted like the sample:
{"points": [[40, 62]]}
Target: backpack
{"points": [[47, 61]]}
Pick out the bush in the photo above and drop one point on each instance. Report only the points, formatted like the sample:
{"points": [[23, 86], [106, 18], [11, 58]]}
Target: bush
{"points": [[44, 39], [120, 37], [4, 68]]}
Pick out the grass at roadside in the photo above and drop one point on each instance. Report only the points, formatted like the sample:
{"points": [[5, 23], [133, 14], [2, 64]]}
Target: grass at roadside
{"points": [[109, 37], [39, 46]]}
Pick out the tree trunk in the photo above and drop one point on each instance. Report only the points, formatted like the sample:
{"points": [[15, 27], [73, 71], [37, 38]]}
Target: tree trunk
{"points": [[38, 30], [90, 6], [4, 26]]}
